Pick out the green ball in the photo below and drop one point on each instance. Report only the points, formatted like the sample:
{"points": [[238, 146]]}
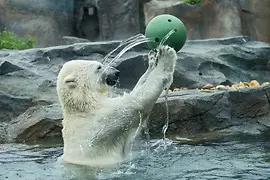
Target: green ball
{"points": [[160, 26]]}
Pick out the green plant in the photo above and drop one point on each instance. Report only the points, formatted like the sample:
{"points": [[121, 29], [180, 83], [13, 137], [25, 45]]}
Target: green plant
{"points": [[192, 1], [9, 40]]}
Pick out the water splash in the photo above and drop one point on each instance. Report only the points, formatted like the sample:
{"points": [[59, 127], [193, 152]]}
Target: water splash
{"points": [[166, 37], [131, 165], [124, 42], [146, 132], [164, 143], [166, 125], [161, 144], [130, 43]]}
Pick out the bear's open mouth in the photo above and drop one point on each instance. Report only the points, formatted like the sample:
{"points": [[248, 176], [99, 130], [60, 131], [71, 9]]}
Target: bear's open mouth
{"points": [[112, 78], [111, 82]]}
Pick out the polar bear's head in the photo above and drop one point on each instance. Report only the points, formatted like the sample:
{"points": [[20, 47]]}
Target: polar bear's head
{"points": [[81, 83]]}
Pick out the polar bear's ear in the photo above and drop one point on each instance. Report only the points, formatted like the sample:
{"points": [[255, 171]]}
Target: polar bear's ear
{"points": [[70, 81]]}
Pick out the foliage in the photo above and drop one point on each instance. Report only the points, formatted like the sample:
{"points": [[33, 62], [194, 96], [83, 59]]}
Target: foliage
{"points": [[192, 1], [9, 40]]}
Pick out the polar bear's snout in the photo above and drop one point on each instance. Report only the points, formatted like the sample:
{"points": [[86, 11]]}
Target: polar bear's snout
{"points": [[111, 76]]}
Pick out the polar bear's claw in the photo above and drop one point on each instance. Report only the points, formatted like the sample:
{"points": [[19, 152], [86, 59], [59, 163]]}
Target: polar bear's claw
{"points": [[166, 51]]}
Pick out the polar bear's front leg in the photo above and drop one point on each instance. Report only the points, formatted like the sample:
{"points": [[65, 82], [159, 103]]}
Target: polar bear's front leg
{"points": [[158, 79], [152, 63], [166, 58]]}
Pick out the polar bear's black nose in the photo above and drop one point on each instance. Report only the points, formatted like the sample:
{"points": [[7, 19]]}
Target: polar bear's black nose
{"points": [[112, 77]]}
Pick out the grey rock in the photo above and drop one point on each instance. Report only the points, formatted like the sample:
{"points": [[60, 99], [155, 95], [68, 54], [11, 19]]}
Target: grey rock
{"points": [[52, 19], [13, 106], [38, 122], [6, 67], [97, 20], [223, 61], [118, 19], [194, 111], [255, 14], [29, 107], [213, 61], [215, 19], [108, 20], [72, 40], [86, 19]]}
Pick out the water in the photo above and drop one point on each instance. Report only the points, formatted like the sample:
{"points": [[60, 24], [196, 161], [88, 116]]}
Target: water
{"points": [[235, 157], [166, 125], [130, 43]]}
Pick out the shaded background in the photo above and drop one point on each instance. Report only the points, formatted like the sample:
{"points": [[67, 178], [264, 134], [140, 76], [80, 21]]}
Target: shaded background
{"points": [[98, 20]]}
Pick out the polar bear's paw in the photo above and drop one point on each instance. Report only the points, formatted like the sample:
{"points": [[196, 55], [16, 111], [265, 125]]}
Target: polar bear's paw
{"points": [[167, 50], [152, 59], [166, 57]]}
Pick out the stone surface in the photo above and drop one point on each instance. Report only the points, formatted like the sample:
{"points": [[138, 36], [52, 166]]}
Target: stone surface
{"points": [[29, 108], [118, 19], [86, 19], [195, 111], [38, 122], [224, 62], [72, 40], [49, 20], [217, 18], [46, 20], [255, 15], [108, 20]]}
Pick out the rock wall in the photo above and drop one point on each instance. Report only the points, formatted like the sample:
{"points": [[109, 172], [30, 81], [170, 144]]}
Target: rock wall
{"points": [[255, 18], [29, 107], [217, 18], [86, 19], [193, 112], [47, 20], [119, 19], [96, 20]]}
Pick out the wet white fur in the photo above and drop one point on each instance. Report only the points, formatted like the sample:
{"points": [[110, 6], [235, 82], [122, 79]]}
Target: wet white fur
{"points": [[98, 129]]}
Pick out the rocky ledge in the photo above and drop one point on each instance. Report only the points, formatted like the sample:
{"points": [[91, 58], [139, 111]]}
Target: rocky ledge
{"points": [[193, 112], [29, 108]]}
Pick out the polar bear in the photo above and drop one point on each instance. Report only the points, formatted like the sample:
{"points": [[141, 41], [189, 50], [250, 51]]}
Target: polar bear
{"points": [[98, 129]]}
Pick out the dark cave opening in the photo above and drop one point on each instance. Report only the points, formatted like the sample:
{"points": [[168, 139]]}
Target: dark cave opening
{"points": [[86, 21]]}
